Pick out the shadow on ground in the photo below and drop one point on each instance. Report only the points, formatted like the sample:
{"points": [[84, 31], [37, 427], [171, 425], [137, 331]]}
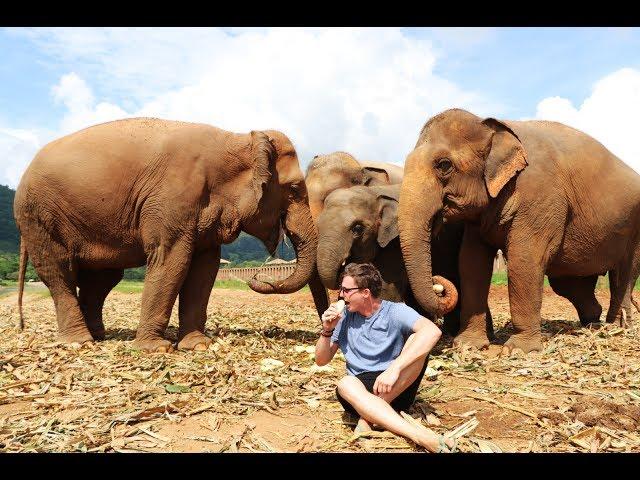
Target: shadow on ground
{"points": [[302, 336]]}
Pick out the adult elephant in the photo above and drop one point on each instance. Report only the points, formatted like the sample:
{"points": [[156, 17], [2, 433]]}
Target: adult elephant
{"points": [[551, 197], [163, 193], [360, 224]]}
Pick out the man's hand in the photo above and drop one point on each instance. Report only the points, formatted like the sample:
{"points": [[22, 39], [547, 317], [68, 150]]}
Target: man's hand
{"points": [[330, 317], [386, 380]]}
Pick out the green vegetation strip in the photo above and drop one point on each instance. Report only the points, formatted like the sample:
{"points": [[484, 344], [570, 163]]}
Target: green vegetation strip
{"points": [[131, 286], [135, 286]]}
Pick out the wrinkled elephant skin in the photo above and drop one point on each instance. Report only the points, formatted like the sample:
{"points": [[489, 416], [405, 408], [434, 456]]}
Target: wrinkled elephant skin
{"points": [[162, 193], [552, 198]]}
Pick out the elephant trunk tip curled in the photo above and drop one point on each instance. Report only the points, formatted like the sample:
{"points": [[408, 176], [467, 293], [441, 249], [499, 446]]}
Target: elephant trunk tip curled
{"points": [[447, 295], [261, 286]]}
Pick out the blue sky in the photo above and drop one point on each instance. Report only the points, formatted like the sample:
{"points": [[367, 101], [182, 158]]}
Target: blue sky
{"points": [[518, 67], [367, 91]]}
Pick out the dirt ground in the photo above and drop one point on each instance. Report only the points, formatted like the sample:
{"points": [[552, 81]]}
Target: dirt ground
{"points": [[257, 389]]}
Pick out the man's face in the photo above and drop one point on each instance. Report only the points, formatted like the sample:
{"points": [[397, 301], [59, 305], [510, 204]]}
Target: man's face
{"points": [[353, 296]]}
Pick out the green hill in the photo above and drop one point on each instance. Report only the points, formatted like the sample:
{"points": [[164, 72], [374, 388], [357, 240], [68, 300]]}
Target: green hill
{"points": [[9, 237], [244, 251]]}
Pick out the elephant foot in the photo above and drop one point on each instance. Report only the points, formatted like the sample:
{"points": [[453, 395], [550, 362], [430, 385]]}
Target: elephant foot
{"points": [[519, 343], [97, 334], [154, 345], [594, 325], [76, 338], [478, 340], [587, 322], [96, 329], [589, 317], [624, 318], [195, 341]]}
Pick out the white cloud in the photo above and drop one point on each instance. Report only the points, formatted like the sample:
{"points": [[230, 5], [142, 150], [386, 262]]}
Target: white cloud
{"points": [[17, 148], [82, 111], [610, 114], [367, 91], [73, 92]]}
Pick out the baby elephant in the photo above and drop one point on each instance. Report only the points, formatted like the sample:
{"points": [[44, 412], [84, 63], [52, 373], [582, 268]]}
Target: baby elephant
{"points": [[360, 224]]}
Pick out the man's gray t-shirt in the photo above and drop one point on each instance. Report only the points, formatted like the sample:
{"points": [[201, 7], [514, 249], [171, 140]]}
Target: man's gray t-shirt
{"points": [[370, 344]]}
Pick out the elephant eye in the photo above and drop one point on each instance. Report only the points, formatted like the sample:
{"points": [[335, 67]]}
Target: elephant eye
{"points": [[357, 229], [444, 166], [297, 190]]}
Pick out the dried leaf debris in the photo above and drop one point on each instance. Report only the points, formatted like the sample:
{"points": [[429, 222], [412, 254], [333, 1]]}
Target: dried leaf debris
{"points": [[582, 393]]}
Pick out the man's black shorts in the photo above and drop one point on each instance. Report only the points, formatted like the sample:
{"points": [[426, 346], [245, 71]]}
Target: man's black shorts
{"points": [[401, 402]]}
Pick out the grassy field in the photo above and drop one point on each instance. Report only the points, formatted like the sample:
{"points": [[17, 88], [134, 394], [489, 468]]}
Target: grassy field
{"points": [[135, 286], [8, 286], [500, 278]]}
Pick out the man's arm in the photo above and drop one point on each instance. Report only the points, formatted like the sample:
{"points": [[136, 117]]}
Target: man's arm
{"points": [[325, 349], [426, 335]]}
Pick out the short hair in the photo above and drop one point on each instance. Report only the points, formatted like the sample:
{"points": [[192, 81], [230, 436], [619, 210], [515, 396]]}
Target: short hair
{"points": [[365, 275]]}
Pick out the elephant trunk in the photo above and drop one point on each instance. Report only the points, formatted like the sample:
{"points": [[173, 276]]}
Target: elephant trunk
{"points": [[319, 292], [419, 204], [330, 258], [302, 232]]}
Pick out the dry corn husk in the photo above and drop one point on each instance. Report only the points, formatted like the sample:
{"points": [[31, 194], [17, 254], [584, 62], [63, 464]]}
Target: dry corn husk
{"points": [[56, 398]]}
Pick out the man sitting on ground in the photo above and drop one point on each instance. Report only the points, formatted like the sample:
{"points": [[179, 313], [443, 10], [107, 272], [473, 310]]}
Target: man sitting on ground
{"points": [[386, 347]]}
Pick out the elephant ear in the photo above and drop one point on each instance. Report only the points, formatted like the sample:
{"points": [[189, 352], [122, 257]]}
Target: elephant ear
{"points": [[375, 176], [388, 229], [506, 157], [264, 158]]}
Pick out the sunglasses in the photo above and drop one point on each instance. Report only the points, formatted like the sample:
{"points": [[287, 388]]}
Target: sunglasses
{"points": [[347, 290]]}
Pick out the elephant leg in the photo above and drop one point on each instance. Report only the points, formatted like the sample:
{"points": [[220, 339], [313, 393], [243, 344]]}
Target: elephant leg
{"points": [[451, 320], [167, 268], [621, 283], [491, 334], [580, 292], [58, 270], [525, 270], [451, 324], [319, 293], [633, 300], [194, 298], [476, 268], [626, 320], [94, 286]]}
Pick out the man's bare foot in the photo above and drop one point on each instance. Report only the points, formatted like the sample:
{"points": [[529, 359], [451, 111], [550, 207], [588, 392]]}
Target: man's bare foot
{"points": [[433, 442], [362, 426]]}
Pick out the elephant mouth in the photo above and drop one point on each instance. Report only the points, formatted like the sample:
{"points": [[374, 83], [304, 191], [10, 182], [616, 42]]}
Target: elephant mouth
{"points": [[340, 271], [438, 222]]}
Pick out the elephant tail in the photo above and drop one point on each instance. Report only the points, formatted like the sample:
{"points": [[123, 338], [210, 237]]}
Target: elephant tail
{"points": [[635, 302], [24, 257]]}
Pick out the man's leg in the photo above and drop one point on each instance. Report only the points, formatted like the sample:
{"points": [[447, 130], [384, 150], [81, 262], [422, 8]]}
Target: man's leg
{"points": [[402, 400], [376, 409], [405, 392]]}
